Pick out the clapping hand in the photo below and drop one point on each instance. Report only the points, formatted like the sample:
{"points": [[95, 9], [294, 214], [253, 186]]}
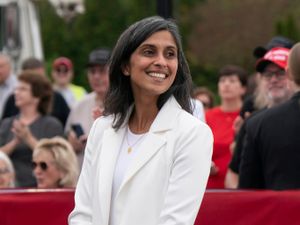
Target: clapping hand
{"points": [[20, 130]]}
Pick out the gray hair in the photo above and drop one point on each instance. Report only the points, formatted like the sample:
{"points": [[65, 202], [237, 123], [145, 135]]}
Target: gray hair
{"points": [[64, 157], [10, 167]]}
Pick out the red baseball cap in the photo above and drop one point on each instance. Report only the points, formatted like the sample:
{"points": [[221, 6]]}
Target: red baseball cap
{"points": [[278, 56], [63, 61]]}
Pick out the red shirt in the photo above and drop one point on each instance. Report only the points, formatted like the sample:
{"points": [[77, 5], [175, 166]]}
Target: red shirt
{"points": [[221, 124]]}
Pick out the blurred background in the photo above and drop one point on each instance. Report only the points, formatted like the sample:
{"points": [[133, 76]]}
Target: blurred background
{"points": [[214, 32]]}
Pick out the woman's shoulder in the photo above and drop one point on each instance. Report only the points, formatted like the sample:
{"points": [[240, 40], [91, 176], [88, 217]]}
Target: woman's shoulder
{"points": [[48, 119], [103, 122], [189, 122], [8, 121]]}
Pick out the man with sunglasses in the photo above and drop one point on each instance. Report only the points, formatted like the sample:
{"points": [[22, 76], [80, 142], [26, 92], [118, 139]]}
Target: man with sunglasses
{"points": [[62, 74], [85, 111]]}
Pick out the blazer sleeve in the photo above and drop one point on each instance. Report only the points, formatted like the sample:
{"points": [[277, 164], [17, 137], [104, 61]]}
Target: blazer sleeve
{"points": [[188, 179], [82, 213], [251, 174]]}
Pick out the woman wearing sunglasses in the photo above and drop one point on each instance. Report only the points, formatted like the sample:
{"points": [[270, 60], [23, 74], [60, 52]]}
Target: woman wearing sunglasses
{"points": [[19, 134], [54, 164]]}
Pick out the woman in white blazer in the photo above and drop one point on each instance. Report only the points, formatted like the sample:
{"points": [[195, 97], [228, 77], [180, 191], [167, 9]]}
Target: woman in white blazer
{"points": [[147, 160]]}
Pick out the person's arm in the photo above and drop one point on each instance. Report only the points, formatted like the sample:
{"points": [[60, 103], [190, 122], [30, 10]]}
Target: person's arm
{"points": [[251, 174], [82, 213], [9, 147], [232, 175], [231, 179], [188, 178], [78, 143]]}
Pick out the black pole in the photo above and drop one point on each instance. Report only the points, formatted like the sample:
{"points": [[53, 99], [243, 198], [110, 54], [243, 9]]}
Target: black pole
{"points": [[164, 8]]}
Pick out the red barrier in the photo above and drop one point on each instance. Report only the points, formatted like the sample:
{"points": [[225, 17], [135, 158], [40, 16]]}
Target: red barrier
{"points": [[35, 207], [52, 207], [249, 208]]}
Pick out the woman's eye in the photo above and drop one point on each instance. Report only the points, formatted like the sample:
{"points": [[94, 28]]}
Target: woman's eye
{"points": [[171, 54], [148, 52]]}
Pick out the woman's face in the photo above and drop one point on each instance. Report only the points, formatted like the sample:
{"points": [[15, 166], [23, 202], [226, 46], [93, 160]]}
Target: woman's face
{"points": [[230, 87], [6, 177], [153, 65], [45, 170], [23, 95]]}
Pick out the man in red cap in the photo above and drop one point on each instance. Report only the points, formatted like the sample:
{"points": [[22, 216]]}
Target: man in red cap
{"points": [[272, 69], [274, 85], [269, 159], [62, 74]]}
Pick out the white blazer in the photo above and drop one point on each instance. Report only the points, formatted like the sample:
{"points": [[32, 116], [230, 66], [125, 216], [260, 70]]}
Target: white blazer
{"points": [[163, 186]]}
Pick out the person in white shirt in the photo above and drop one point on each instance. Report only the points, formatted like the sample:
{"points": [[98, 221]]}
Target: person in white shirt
{"points": [[82, 113]]}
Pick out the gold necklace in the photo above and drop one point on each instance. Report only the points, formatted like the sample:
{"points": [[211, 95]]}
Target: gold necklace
{"points": [[130, 146]]}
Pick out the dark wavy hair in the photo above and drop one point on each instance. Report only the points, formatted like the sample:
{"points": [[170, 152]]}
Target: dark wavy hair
{"points": [[41, 88], [120, 96]]}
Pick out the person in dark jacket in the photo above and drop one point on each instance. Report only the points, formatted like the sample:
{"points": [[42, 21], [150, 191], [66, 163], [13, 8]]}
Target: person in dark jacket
{"points": [[271, 155]]}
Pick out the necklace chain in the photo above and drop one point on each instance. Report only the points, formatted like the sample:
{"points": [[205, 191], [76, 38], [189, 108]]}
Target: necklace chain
{"points": [[130, 146]]}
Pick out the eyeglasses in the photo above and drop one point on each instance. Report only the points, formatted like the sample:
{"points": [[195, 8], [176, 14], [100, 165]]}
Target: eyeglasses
{"points": [[279, 74], [4, 171], [43, 165]]}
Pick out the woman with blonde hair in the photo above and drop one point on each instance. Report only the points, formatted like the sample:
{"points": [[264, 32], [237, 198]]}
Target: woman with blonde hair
{"points": [[55, 164]]}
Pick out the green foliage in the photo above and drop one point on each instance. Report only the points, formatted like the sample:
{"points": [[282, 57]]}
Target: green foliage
{"points": [[287, 27], [100, 26], [214, 32]]}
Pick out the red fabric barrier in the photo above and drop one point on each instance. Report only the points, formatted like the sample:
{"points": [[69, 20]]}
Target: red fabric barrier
{"points": [[52, 207], [250, 208], [35, 207]]}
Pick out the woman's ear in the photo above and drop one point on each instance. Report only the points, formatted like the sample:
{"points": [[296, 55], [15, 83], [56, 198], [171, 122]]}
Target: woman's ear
{"points": [[125, 70]]}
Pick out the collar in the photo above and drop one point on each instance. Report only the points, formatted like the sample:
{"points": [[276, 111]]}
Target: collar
{"points": [[162, 121]]}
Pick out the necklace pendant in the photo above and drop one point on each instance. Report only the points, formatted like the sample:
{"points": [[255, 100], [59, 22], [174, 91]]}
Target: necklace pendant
{"points": [[129, 150]]}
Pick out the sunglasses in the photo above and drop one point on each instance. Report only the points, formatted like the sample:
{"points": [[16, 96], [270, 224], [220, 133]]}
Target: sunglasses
{"points": [[43, 165]]}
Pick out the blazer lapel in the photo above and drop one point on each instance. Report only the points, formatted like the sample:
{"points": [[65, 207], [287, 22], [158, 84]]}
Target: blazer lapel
{"points": [[155, 139], [110, 150], [151, 144]]}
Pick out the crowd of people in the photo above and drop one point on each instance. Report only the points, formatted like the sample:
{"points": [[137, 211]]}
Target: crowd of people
{"points": [[37, 114], [45, 125]]}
